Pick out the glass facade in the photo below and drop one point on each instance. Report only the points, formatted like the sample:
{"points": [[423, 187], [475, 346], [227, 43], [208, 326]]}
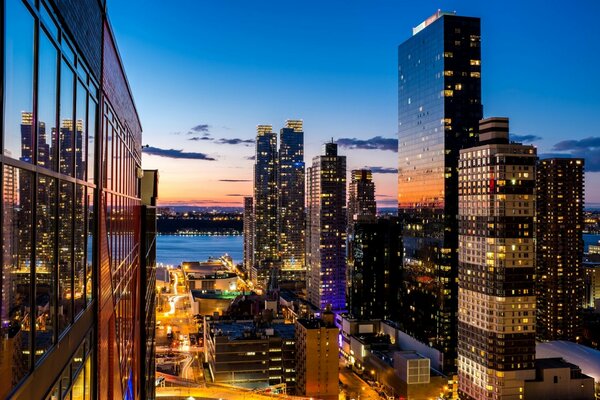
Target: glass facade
{"points": [[61, 253], [290, 185], [44, 215], [265, 195], [439, 107]]}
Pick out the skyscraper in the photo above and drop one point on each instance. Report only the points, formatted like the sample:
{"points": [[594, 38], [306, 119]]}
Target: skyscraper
{"points": [[439, 106], [248, 233], [496, 341], [290, 184], [326, 230], [560, 288], [265, 195], [361, 198], [376, 270], [73, 322]]}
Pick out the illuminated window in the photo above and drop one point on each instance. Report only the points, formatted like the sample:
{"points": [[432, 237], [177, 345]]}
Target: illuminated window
{"points": [[475, 62]]}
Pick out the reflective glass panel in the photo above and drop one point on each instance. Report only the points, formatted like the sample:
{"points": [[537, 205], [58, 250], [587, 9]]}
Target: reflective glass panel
{"points": [[45, 264], [65, 270], [80, 245], [90, 224], [81, 132], [47, 85], [91, 138], [15, 304], [18, 82], [66, 119]]}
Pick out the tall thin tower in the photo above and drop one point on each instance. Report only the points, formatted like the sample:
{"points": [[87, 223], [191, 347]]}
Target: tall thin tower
{"points": [[290, 183], [439, 108], [560, 221], [496, 300], [326, 230], [265, 195]]}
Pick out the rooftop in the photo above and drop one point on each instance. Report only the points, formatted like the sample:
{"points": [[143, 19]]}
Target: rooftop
{"points": [[584, 357], [238, 330]]}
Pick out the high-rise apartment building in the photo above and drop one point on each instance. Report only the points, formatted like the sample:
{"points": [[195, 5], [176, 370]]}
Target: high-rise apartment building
{"points": [[497, 306], [559, 239], [439, 107], [73, 317], [290, 185], [361, 197], [375, 273], [265, 196], [317, 360], [248, 233], [326, 230]]}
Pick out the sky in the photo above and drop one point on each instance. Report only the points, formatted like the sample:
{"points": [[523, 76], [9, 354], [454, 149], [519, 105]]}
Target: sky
{"points": [[204, 73]]}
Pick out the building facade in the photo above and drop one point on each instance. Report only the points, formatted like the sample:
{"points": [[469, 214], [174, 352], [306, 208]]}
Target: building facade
{"points": [[376, 270], [497, 306], [317, 363], [439, 106], [290, 185], [361, 198], [248, 228], [559, 238], [71, 301], [265, 196], [326, 230], [244, 354]]}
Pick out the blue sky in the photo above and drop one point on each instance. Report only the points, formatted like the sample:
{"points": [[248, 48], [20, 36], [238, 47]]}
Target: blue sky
{"points": [[232, 65]]}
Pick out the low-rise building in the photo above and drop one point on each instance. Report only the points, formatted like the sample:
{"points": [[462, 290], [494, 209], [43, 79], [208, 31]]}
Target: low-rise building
{"points": [[317, 360], [224, 281], [556, 379], [250, 355]]}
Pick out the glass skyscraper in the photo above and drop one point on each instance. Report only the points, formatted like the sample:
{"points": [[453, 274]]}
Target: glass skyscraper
{"points": [[265, 195], [290, 185], [71, 292], [439, 107]]}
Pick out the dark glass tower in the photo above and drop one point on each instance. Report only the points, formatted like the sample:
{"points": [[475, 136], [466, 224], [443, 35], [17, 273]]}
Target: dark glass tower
{"points": [[560, 221], [375, 273], [439, 107], [290, 184], [265, 195]]}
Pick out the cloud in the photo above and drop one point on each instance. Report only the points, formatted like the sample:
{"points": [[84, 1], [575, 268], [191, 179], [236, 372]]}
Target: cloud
{"points": [[246, 142], [525, 138], [235, 180], [383, 170], [200, 128], [385, 196], [583, 144], [173, 153], [197, 138], [375, 143], [236, 195], [251, 158], [588, 149]]}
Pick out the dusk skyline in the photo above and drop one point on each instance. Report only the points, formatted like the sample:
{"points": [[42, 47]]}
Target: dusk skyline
{"points": [[232, 66]]}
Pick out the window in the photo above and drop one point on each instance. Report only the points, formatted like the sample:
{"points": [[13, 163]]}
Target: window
{"points": [[15, 336], [18, 80], [46, 92], [475, 62], [45, 283], [66, 131]]}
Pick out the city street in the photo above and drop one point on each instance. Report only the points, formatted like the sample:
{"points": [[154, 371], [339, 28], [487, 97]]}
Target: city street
{"points": [[353, 387]]}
